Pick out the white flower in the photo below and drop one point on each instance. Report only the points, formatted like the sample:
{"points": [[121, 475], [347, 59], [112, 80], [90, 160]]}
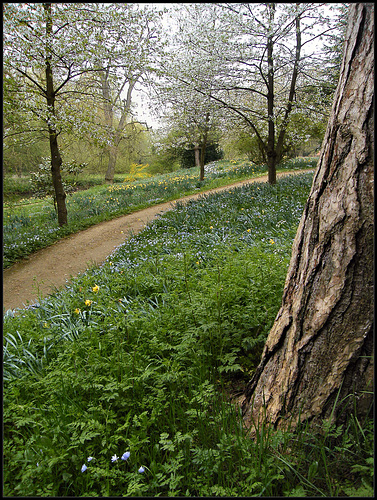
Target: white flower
{"points": [[141, 470], [90, 458], [114, 458]]}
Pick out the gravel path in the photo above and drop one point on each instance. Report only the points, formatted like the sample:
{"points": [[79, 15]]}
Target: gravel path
{"points": [[49, 269]]}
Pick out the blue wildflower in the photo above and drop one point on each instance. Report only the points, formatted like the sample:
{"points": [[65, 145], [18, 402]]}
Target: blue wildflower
{"points": [[125, 455], [141, 470], [90, 458], [114, 458], [83, 468]]}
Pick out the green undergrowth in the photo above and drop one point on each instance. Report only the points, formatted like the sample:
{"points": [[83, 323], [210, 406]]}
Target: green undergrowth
{"points": [[31, 224], [120, 384]]}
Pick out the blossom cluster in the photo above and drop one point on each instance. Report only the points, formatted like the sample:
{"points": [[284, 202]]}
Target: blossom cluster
{"points": [[126, 455]]}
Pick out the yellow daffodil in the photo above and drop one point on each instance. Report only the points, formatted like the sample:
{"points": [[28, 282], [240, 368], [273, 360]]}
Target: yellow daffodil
{"points": [[272, 242], [248, 230], [77, 310], [88, 302], [95, 288]]}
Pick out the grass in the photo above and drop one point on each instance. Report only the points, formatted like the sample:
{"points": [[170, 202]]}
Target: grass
{"points": [[140, 355], [31, 224]]}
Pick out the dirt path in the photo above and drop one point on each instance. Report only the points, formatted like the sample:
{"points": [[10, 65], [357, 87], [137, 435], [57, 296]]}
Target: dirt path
{"points": [[50, 268]]}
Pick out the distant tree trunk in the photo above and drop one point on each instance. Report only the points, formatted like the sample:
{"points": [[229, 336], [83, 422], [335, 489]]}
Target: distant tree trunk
{"points": [[271, 152], [203, 148], [292, 91], [197, 155], [56, 160], [321, 344], [109, 117]]}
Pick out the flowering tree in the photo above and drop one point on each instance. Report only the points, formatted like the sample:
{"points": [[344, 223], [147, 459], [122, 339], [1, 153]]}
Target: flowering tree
{"points": [[130, 48], [46, 48], [191, 113], [49, 51], [260, 60]]}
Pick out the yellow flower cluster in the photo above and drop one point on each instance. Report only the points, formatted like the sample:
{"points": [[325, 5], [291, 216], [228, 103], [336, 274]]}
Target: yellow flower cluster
{"points": [[88, 302]]}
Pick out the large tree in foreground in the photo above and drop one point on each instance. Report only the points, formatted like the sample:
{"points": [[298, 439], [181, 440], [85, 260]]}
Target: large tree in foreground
{"points": [[320, 348]]}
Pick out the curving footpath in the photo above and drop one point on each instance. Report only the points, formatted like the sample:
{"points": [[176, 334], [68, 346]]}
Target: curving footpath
{"points": [[49, 269]]}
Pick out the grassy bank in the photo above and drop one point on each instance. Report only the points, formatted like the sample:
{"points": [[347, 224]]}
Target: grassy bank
{"points": [[31, 224], [120, 384]]}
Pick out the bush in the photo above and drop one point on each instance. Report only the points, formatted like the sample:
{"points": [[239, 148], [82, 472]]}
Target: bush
{"points": [[41, 181]]}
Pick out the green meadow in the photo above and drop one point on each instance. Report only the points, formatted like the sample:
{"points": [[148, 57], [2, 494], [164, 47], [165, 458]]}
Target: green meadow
{"points": [[125, 382]]}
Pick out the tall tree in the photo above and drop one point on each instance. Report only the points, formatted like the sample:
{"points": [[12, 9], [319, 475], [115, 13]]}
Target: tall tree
{"points": [[191, 117], [319, 350], [192, 113], [260, 52], [48, 46], [131, 46]]}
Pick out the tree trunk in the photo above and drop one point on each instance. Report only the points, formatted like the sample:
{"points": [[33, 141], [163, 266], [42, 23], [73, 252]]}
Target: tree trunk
{"points": [[271, 153], [109, 116], [292, 90], [320, 347], [56, 160], [203, 148], [197, 155], [113, 153]]}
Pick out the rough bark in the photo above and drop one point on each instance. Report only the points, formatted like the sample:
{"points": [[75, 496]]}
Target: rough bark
{"points": [[56, 160], [320, 347]]}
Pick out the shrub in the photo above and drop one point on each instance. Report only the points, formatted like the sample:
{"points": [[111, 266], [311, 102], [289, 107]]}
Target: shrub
{"points": [[41, 181]]}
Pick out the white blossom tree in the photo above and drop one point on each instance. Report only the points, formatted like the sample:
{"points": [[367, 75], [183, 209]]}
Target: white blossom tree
{"points": [[131, 46], [49, 51], [258, 52], [46, 47], [191, 112]]}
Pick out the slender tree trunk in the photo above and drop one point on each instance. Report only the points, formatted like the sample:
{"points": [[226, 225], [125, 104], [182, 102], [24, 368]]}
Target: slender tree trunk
{"points": [[271, 153], [197, 155], [203, 148], [56, 160], [109, 114], [110, 172], [320, 347], [292, 90], [202, 157]]}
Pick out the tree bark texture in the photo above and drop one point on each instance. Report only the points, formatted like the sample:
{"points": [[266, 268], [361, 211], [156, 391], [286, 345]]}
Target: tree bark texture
{"points": [[320, 347]]}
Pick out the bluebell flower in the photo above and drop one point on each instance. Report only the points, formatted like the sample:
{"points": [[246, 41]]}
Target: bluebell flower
{"points": [[114, 458], [141, 470], [83, 468], [125, 455], [90, 458]]}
